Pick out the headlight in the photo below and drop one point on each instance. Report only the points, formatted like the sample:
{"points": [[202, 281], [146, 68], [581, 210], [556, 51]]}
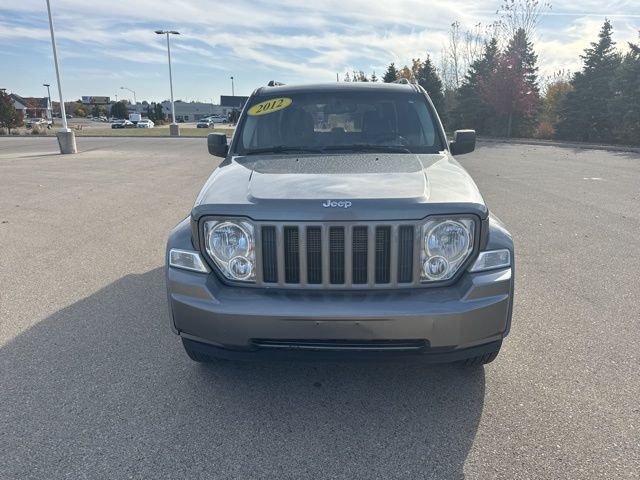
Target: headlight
{"points": [[447, 244], [231, 245]]}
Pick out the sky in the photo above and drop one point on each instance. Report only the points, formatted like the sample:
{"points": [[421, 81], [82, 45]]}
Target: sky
{"points": [[104, 45]]}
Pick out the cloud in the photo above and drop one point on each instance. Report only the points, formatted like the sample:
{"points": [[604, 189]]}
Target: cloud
{"points": [[285, 39]]}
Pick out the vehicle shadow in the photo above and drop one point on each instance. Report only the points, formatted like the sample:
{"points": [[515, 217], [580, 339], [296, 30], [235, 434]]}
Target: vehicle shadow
{"points": [[102, 389]]}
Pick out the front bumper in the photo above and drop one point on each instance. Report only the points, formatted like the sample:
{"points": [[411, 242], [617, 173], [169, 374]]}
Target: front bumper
{"points": [[452, 322]]}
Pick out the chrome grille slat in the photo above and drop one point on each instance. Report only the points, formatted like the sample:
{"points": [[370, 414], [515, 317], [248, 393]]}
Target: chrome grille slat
{"points": [[280, 250], [371, 256], [348, 256], [302, 233], [325, 256], [393, 268], [417, 263]]}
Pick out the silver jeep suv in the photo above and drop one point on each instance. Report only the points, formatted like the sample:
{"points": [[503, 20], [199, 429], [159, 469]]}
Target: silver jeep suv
{"points": [[339, 224]]}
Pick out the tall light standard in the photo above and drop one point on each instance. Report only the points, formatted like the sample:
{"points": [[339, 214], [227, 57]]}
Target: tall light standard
{"points": [[174, 129], [135, 100], [66, 138], [50, 104], [233, 93]]}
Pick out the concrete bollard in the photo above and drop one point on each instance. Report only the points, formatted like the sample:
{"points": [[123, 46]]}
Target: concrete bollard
{"points": [[174, 130], [67, 141]]}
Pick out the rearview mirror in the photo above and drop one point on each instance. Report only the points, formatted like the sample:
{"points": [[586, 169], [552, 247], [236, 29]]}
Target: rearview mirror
{"points": [[217, 144], [464, 141]]}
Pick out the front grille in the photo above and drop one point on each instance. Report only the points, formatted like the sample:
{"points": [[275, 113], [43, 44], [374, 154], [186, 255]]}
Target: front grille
{"points": [[338, 256]]}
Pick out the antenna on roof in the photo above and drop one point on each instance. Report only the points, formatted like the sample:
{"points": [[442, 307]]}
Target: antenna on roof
{"points": [[273, 83]]}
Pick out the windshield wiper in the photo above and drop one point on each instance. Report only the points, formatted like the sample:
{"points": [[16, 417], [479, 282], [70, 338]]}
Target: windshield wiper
{"points": [[365, 147], [282, 149]]}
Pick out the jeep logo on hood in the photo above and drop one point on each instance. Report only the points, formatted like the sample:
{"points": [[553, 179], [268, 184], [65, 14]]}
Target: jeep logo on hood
{"points": [[334, 204]]}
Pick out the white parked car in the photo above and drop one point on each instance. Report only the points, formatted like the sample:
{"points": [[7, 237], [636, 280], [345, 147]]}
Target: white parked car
{"points": [[32, 122], [145, 123], [122, 124], [218, 119]]}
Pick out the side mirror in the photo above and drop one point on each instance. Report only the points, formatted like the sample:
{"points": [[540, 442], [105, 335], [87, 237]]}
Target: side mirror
{"points": [[464, 141], [217, 144]]}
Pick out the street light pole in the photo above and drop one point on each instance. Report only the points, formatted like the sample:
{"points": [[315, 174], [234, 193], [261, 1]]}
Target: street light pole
{"points": [[173, 128], [66, 138], [50, 104], [233, 93], [135, 100]]}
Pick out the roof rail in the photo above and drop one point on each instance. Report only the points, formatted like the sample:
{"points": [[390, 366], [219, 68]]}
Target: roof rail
{"points": [[402, 81], [273, 83]]}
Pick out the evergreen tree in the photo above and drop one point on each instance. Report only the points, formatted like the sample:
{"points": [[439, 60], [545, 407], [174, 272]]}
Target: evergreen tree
{"points": [[626, 103], [471, 110], [427, 77], [374, 77], [150, 113], [158, 113], [358, 76], [391, 75], [524, 60], [506, 90], [9, 117], [119, 110], [585, 114]]}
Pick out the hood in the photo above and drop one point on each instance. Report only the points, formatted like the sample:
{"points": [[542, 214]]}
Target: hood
{"points": [[337, 177], [311, 187]]}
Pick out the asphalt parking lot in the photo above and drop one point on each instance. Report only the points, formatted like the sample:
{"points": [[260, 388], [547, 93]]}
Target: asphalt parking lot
{"points": [[94, 385]]}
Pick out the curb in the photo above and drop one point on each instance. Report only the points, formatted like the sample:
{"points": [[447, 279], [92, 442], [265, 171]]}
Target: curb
{"points": [[553, 143]]}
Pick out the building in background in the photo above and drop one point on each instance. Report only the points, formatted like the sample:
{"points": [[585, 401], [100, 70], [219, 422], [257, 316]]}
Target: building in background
{"points": [[32, 107], [185, 111], [232, 102], [194, 111], [191, 111]]}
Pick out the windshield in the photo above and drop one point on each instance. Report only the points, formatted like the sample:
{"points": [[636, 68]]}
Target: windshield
{"points": [[334, 121]]}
